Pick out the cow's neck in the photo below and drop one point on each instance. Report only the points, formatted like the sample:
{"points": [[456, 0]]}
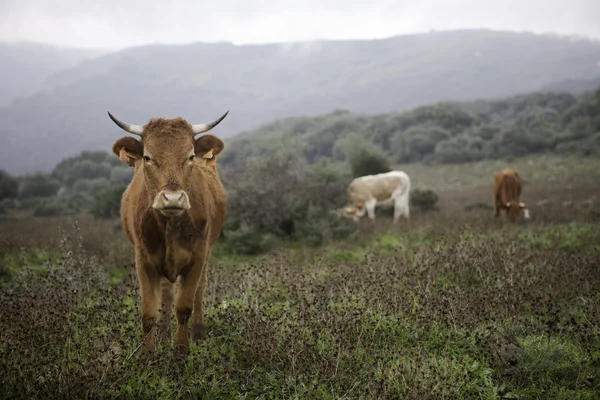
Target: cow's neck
{"points": [[178, 232]]}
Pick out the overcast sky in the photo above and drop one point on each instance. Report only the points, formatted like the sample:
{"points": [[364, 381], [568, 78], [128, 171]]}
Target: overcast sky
{"points": [[123, 23]]}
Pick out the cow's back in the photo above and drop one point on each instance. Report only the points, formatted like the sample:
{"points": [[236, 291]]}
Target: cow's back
{"points": [[379, 186], [507, 185]]}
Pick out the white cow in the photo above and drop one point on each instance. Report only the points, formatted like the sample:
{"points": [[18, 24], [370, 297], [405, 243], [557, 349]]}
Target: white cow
{"points": [[367, 191]]}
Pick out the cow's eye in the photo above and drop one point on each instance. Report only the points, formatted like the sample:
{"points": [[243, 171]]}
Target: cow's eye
{"points": [[146, 158], [192, 157]]}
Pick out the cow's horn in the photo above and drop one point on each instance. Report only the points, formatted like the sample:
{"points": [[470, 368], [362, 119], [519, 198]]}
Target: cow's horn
{"points": [[135, 129], [207, 126]]}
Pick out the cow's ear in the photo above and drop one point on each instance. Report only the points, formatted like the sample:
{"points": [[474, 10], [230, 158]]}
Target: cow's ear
{"points": [[128, 149], [208, 147]]}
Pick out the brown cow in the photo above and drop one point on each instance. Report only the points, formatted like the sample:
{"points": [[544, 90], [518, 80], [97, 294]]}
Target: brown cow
{"points": [[172, 211], [506, 192]]}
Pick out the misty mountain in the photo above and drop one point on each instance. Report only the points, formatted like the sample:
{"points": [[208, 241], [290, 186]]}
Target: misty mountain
{"points": [[572, 85], [26, 66], [261, 83]]}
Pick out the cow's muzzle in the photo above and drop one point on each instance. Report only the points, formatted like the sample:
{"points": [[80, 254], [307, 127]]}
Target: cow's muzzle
{"points": [[171, 203]]}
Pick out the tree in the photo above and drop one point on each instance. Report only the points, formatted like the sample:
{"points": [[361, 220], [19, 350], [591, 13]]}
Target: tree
{"points": [[9, 186], [108, 203], [38, 185], [364, 157]]}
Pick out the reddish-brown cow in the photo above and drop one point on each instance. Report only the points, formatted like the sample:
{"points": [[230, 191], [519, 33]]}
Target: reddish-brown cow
{"points": [[172, 211], [506, 192]]}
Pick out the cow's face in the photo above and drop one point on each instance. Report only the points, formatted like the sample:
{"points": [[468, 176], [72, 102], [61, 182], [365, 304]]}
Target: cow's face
{"points": [[169, 160], [350, 211], [515, 209]]}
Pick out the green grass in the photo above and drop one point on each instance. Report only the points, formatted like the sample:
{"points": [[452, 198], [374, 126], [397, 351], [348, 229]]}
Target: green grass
{"points": [[449, 305]]}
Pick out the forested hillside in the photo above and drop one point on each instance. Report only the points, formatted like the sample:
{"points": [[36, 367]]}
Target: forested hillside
{"points": [[443, 132], [26, 66], [261, 83]]}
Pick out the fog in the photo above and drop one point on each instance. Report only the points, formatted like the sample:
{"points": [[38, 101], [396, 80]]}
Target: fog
{"points": [[112, 25]]}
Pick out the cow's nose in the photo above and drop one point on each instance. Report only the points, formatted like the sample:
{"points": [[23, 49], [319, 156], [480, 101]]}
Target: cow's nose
{"points": [[173, 199]]}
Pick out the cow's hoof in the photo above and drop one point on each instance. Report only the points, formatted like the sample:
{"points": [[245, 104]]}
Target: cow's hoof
{"points": [[146, 355], [181, 352], [198, 334]]}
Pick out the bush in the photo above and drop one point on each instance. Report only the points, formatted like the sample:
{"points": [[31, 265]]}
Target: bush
{"points": [[416, 142], [52, 208], [121, 174], [423, 199], [283, 196], [38, 185], [108, 203], [92, 187], [247, 241], [9, 186], [369, 163], [29, 203]]}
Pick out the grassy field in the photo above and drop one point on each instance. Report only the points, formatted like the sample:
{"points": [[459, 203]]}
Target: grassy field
{"points": [[449, 305]]}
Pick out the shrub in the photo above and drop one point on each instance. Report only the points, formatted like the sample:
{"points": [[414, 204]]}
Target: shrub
{"points": [[29, 203], [38, 185], [9, 186], [369, 163], [108, 203], [247, 241], [53, 207], [423, 199], [282, 195], [121, 174], [92, 187]]}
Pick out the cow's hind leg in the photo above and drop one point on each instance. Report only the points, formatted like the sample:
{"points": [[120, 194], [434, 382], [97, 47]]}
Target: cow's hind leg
{"points": [[198, 331], [401, 207]]}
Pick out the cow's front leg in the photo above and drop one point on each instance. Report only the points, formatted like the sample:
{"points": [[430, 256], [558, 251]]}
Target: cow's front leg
{"points": [[184, 304], [370, 206], [150, 297], [166, 306]]}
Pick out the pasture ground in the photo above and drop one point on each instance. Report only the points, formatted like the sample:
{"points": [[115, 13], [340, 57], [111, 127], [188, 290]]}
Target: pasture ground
{"points": [[449, 305]]}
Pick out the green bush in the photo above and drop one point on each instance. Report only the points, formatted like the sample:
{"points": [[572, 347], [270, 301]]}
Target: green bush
{"points": [[108, 203], [38, 185], [281, 195], [53, 207], [92, 187], [417, 142], [9, 186], [247, 241], [423, 199], [367, 163], [121, 174], [29, 203]]}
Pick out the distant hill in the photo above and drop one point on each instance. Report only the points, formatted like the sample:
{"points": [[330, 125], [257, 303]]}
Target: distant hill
{"points": [[261, 83], [446, 132], [572, 85], [26, 66]]}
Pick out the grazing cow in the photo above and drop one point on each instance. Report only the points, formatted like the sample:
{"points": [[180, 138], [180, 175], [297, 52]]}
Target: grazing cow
{"points": [[172, 211], [506, 191], [367, 191]]}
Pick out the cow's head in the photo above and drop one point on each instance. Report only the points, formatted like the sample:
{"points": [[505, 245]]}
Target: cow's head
{"points": [[166, 156], [350, 211], [515, 209]]}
